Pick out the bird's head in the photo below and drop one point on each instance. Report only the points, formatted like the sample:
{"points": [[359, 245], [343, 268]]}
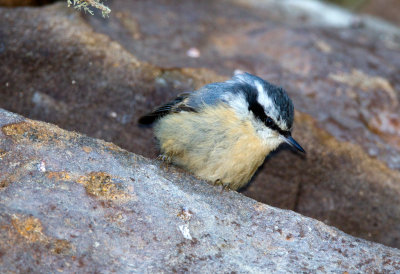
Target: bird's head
{"points": [[268, 107]]}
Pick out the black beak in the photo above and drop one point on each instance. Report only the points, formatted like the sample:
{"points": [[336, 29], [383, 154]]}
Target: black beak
{"points": [[292, 142]]}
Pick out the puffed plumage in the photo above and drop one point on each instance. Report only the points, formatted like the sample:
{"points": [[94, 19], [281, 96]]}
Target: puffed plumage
{"points": [[223, 132]]}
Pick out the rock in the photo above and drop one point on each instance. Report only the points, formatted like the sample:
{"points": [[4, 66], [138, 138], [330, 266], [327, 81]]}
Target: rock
{"points": [[383, 8], [91, 85], [96, 77], [17, 3], [72, 203]]}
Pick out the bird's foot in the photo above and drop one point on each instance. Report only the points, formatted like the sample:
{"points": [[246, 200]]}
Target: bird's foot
{"points": [[224, 186], [164, 158]]}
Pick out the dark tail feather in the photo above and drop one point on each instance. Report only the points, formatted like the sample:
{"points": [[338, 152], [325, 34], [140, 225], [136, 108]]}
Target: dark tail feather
{"points": [[151, 117], [147, 119], [161, 111]]}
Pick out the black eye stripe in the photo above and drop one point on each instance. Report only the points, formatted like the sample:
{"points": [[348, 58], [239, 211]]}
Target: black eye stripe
{"points": [[258, 111]]}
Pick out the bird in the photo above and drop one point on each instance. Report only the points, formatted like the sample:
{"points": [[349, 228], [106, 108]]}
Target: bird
{"points": [[223, 131]]}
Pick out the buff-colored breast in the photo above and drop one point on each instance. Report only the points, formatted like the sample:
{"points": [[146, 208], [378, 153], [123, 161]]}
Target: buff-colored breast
{"points": [[213, 144]]}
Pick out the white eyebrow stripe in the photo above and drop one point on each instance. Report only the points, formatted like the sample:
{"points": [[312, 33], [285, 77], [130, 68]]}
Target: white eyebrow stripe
{"points": [[259, 87], [267, 104], [265, 101]]}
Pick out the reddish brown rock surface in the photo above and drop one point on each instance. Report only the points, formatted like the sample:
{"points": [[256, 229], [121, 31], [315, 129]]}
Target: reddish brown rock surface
{"points": [[97, 76], [17, 3], [387, 9]]}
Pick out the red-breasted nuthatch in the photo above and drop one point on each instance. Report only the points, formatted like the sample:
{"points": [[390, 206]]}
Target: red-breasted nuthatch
{"points": [[223, 131]]}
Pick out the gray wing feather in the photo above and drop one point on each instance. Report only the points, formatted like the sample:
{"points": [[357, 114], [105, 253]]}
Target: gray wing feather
{"points": [[210, 94], [176, 105]]}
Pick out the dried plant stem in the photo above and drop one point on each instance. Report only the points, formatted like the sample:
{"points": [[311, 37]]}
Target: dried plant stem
{"points": [[86, 4]]}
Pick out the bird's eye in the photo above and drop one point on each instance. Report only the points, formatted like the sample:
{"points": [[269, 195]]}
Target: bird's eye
{"points": [[268, 121]]}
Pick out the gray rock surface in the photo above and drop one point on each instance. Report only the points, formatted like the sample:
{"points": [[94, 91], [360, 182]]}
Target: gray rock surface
{"points": [[70, 203]]}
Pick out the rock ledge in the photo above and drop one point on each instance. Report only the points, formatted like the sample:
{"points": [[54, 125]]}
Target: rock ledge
{"points": [[72, 203]]}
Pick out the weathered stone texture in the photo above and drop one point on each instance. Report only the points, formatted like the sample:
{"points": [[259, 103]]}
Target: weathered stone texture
{"points": [[97, 76], [76, 204]]}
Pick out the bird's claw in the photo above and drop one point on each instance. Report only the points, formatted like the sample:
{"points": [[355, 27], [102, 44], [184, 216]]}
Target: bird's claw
{"points": [[222, 185], [164, 158]]}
